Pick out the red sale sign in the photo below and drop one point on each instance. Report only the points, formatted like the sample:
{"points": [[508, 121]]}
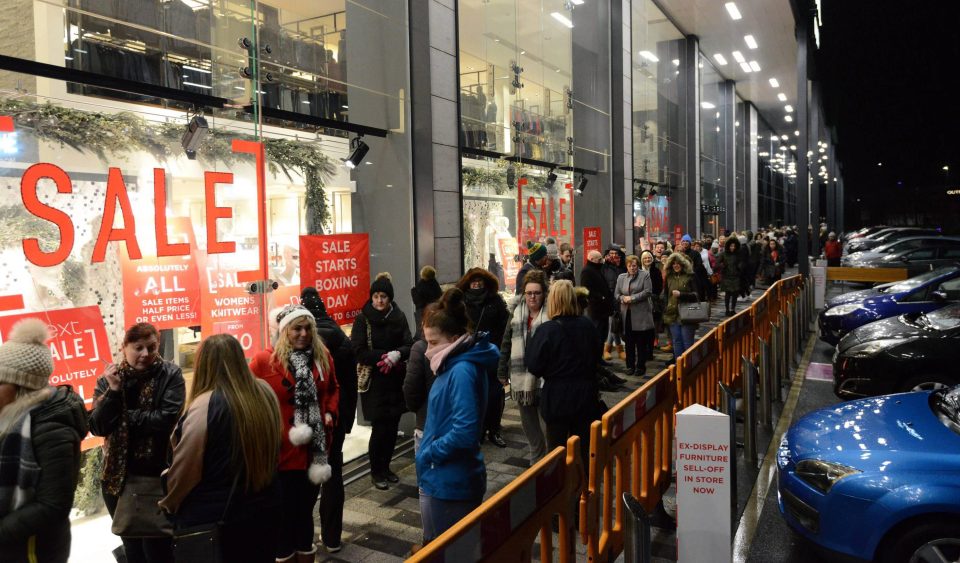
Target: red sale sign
{"points": [[339, 267], [508, 256], [163, 290], [78, 344], [229, 308], [677, 235], [542, 213], [591, 241]]}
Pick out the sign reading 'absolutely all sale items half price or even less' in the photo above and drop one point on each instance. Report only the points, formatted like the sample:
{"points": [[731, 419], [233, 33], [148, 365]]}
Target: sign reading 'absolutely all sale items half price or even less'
{"points": [[78, 344], [339, 267], [163, 290], [703, 485]]}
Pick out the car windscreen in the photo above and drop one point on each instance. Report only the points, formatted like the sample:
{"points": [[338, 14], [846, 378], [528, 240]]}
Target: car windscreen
{"points": [[946, 318], [917, 281], [946, 405]]}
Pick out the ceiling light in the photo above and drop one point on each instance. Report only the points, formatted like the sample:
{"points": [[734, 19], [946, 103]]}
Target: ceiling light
{"points": [[793, 148], [788, 108], [746, 68], [788, 118], [562, 19], [707, 105], [784, 137], [358, 150], [782, 97], [576, 2], [721, 60], [751, 42], [774, 82], [733, 11], [796, 133], [738, 56], [755, 66], [676, 62], [649, 56]]}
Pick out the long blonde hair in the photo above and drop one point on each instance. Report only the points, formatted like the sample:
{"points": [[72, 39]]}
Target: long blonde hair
{"points": [[281, 351], [562, 300], [253, 407]]}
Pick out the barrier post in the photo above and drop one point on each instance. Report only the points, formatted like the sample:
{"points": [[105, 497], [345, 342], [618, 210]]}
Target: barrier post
{"points": [[637, 548], [775, 361], [750, 410], [791, 336], [784, 349], [766, 382], [728, 406]]}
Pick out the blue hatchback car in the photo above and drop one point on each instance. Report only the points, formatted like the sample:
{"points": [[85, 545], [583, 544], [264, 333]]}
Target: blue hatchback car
{"points": [[918, 294], [877, 479]]}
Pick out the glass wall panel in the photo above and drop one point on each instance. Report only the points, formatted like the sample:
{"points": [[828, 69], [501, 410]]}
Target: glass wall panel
{"points": [[742, 146], [776, 182], [715, 106], [659, 136]]}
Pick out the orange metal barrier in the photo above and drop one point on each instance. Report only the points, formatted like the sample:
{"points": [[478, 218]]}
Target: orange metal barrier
{"points": [[505, 526], [630, 450], [698, 372]]}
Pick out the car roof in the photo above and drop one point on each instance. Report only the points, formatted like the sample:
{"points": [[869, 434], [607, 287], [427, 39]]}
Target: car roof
{"points": [[918, 237]]}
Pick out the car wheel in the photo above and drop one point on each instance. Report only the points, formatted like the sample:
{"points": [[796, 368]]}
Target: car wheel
{"points": [[926, 542], [931, 382]]}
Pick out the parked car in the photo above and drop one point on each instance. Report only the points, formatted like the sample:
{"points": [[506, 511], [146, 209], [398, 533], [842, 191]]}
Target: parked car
{"points": [[911, 352], [920, 260], [846, 312], [876, 479], [862, 232], [863, 258], [887, 235]]}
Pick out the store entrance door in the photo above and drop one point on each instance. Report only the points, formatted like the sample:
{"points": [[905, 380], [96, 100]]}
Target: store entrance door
{"points": [[711, 225]]}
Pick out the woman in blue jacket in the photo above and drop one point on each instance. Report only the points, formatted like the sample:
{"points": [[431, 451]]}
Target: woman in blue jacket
{"points": [[450, 471]]}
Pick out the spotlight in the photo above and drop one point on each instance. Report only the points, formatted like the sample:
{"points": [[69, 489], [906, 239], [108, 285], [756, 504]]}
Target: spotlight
{"points": [[653, 191], [358, 150], [581, 185], [551, 180], [196, 130], [511, 177]]}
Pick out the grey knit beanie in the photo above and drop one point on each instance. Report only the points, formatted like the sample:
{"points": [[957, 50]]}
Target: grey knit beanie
{"points": [[25, 358]]}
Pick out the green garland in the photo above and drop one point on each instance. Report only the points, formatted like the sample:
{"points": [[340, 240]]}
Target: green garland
{"points": [[494, 178], [124, 133]]}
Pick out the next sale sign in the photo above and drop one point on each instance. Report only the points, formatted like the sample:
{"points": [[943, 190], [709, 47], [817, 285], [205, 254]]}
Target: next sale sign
{"points": [[339, 267]]}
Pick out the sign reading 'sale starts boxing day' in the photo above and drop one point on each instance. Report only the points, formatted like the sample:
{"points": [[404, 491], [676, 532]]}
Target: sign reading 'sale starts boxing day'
{"points": [[339, 267]]}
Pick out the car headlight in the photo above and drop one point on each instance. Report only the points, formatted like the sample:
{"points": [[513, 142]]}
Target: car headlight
{"points": [[874, 347], [822, 475], [842, 310]]}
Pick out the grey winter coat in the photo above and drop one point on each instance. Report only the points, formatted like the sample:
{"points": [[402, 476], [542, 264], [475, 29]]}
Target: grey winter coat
{"points": [[639, 288]]}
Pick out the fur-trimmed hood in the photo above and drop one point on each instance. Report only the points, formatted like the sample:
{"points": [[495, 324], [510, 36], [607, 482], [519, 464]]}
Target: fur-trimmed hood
{"points": [[678, 257], [490, 281]]}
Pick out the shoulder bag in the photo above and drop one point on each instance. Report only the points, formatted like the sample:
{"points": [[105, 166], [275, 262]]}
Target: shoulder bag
{"points": [[203, 544], [365, 372], [694, 312], [137, 514]]}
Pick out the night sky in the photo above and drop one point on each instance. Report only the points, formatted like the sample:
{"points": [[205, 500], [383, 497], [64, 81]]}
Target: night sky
{"points": [[889, 73]]}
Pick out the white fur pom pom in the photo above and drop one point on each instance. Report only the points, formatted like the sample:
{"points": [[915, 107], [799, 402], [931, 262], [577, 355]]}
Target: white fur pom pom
{"points": [[319, 474], [300, 434]]}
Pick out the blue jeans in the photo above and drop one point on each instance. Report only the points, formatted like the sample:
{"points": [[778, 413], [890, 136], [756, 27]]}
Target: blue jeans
{"points": [[439, 515], [683, 337]]}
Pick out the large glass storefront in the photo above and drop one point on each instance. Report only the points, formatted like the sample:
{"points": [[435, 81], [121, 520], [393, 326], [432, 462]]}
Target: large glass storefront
{"points": [[715, 107], [122, 216], [659, 122], [776, 181], [534, 126]]}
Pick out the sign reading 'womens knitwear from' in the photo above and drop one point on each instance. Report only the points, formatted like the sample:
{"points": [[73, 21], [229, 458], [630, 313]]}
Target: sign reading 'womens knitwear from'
{"points": [[339, 267]]}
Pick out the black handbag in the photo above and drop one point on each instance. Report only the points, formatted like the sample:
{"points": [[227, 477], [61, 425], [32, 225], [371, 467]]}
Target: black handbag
{"points": [[202, 544], [616, 322], [694, 313]]}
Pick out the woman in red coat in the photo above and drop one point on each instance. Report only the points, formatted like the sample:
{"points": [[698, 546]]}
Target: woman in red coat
{"points": [[300, 370]]}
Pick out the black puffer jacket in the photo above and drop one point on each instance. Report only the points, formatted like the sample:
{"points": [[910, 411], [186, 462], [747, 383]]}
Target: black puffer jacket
{"points": [[157, 422], [345, 364], [57, 427], [419, 379], [485, 308], [600, 299], [564, 353], [389, 331]]}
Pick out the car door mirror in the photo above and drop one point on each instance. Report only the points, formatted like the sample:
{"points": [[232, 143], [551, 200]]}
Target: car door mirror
{"points": [[939, 294]]}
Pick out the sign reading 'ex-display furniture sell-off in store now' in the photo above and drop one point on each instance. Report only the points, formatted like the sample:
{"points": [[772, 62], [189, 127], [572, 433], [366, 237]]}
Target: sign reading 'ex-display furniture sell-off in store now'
{"points": [[703, 485]]}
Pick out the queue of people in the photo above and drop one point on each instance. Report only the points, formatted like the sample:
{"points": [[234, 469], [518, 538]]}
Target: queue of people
{"points": [[245, 458]]}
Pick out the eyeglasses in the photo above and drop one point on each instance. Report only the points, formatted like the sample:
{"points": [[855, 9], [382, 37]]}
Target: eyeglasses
{"points": [[533, 293]]}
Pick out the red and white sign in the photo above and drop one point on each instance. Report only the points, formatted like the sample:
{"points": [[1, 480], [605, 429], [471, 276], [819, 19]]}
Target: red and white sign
{"points": [[509, 251], [228, 307], [591, 241], [703, 485], [78, 344], [163, 290], [544, 213], [677, 235], [339, 267]]}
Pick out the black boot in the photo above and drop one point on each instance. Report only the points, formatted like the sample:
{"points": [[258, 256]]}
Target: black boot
{"points": [[496, 439]]}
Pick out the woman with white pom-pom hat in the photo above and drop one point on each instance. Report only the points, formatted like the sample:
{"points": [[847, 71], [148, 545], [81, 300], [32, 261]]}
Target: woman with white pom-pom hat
{"points": [[301, 372]]}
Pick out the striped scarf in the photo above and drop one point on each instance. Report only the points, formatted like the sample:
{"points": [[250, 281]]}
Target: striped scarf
{"points": [[524, 387], [19, 469]]}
